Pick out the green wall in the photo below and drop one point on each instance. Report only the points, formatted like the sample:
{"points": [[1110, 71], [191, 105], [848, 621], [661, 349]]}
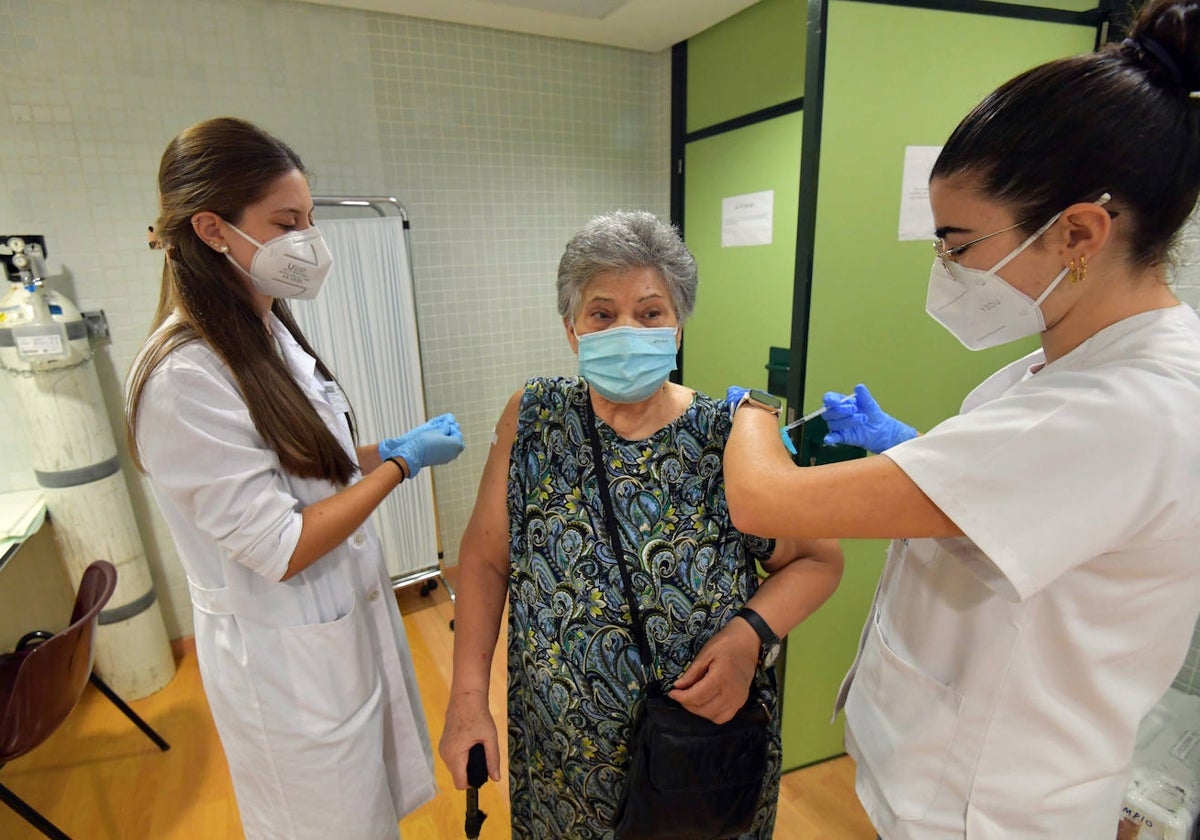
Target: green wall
{"points": [[926, 70], [744, 302], [748, 62], [862, 276]]}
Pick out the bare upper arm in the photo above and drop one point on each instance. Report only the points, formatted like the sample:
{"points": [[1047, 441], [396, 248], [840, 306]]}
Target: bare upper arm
{"points": [[486, 536], [870, 497], [866, 498]]}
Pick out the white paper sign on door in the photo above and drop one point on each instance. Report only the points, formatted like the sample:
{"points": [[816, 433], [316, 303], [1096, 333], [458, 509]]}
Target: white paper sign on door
{"points": [[747, 219], [916, 217]]}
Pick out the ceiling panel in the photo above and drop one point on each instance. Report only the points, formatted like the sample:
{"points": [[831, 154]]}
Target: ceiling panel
{"points": [[648, 25]]}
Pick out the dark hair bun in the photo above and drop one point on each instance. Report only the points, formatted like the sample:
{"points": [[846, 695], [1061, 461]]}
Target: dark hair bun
{"points": [[1165, 38]]}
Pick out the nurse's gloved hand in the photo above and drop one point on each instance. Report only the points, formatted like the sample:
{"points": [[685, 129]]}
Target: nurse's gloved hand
{"points": [[856, 419], [733, 396], [437, 441]]}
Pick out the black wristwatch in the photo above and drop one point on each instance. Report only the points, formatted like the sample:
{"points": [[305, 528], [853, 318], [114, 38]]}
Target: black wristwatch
{"points": [[770, 642], [763, 400]]}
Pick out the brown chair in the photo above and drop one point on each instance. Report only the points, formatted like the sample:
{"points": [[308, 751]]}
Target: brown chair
{"points": [[42, 680]]}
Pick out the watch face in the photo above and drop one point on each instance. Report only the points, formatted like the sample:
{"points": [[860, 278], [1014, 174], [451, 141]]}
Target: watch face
{"points": [[769, 400]]}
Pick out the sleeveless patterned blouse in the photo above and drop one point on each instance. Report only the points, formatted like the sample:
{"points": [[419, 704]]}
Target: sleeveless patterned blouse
{"points": [[574, 672]]}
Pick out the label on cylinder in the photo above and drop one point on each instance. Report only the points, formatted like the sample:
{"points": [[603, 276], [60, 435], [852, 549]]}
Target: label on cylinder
{"points": [[41, 342]]}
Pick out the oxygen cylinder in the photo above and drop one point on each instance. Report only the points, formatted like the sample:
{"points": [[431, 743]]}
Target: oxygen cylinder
{"points": [[47, 360]]}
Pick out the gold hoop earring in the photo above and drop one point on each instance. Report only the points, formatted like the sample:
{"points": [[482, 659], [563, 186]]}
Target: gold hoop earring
{"points": [[1078, 272]]}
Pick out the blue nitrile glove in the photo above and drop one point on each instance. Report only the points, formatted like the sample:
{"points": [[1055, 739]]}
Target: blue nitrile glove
{"points": [[733, 395], [437, 441], [859, 421]]}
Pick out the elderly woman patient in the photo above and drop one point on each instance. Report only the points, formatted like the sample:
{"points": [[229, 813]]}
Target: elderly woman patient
{"points": [[626, 284]]}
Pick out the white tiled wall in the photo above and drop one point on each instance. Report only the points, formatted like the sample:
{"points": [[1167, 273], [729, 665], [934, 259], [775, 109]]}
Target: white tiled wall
{"points": [[1185, 267], [500, 146]]}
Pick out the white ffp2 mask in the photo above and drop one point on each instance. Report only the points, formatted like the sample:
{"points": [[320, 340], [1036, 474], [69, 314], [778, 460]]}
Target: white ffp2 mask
{"points": [[293, 265], [979, 307]]}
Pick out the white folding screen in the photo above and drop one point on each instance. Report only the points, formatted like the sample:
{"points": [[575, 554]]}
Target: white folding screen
{"points": [[364, 325]]}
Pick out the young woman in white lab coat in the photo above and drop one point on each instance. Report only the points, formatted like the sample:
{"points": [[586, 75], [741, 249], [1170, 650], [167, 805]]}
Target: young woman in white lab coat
{"points": [[1044, 586], [247, 442]]}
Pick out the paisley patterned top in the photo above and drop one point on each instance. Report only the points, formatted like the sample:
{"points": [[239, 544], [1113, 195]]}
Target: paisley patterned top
{"points": [[574, 672]]}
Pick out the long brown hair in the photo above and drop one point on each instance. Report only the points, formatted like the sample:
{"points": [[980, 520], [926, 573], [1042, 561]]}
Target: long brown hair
{"points": [[223, 165]]}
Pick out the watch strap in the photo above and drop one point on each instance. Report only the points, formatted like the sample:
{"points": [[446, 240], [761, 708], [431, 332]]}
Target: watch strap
{"points": [[765, 634]]}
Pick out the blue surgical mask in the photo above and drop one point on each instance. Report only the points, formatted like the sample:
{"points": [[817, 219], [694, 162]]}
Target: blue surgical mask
{"points": [[627, 364]]}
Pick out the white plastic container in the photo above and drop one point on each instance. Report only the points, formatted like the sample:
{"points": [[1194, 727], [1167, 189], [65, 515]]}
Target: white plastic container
{"points": [[1162, 801]]}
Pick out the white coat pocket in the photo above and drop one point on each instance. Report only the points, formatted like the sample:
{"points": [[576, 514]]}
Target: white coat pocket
{"points": [[903, 723], [335, 678]]}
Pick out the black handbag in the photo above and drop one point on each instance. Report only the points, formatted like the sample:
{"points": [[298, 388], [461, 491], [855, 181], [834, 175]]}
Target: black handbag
{"points": [[692, 779], [689, 778]]}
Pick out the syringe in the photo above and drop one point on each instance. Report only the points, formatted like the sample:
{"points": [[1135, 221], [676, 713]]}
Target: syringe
{"points": [[787, 439], [812, 415]]}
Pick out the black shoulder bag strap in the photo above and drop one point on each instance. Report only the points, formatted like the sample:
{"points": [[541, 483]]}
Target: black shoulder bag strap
{"points": [[614, 536]]}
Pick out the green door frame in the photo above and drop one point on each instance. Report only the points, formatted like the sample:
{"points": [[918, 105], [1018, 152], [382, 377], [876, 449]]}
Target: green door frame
{"points": [[680, 137]]}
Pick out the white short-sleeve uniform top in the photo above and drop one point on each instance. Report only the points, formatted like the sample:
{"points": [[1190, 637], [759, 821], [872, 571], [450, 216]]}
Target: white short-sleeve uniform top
{"points": [[310, 680], [1002, 675]]}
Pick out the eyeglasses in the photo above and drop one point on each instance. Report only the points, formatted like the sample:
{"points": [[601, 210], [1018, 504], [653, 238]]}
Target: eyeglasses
{"points": [[950, 255]]}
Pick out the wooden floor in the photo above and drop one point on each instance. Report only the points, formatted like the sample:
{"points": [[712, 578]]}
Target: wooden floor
{"points": [[99, 778]]}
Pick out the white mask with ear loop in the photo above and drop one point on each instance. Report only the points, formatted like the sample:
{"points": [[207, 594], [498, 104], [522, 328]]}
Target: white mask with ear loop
{"points": [[293, 265], [979, 307]]}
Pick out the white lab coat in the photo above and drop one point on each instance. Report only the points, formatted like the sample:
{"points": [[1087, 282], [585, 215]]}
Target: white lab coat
{"points": [[1001, 676], [310, 680]]}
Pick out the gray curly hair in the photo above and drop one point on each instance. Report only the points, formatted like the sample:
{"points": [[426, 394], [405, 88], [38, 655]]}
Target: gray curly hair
{"points": [[624, 240]]}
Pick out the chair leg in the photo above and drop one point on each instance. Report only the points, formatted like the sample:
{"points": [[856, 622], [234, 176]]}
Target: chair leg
{"points": [[32, 636], [31, 816], [129, 713]]}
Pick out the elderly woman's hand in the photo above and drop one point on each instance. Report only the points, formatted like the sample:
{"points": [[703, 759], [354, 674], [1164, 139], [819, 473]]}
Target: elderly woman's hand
{"points": [[469, 722], [717, 682]]}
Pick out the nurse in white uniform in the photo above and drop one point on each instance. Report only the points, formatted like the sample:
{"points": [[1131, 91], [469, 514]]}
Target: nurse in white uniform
{"points": [[1043, 588], [247, 442]]}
